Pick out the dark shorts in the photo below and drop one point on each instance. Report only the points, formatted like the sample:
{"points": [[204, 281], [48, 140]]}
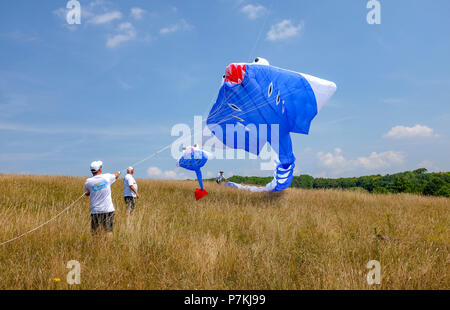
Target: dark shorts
{"points": [[130, 202], [104, 219]]}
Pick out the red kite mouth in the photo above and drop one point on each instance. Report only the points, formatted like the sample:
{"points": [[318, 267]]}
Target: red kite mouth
{"points": [[234, 74]]}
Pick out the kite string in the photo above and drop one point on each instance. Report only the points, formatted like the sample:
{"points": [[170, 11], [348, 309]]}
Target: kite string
{"points": [[261, 31], [74, 202], [43, 224]]}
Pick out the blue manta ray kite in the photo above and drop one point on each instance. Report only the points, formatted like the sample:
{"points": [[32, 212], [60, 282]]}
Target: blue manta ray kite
{"points": [[259, 104]]}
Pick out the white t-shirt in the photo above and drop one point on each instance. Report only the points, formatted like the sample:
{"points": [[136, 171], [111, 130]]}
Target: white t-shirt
{"points": [[99, 188], [127, 182], [219, 178]]}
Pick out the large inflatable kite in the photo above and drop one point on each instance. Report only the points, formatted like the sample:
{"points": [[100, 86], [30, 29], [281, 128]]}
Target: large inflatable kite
{"points": [[259, 104]]}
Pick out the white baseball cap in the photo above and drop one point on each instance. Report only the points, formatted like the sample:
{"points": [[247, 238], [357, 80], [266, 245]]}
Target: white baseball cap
{"points": [[96, 165], [129, 169]]}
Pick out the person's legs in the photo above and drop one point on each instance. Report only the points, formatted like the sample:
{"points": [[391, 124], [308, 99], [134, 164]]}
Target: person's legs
{"points": [[108, 224], [130, 203], [95, 223]]}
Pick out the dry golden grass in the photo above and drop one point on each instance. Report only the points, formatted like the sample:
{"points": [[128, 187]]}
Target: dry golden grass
{"points": [[231, 239]]}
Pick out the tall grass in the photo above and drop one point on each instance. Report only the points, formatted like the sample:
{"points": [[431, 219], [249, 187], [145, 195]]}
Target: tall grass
{"points": [[231, 239]]}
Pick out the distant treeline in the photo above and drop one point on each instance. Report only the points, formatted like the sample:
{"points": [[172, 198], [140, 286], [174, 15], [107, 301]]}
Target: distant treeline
{"points": [[417, 182]]}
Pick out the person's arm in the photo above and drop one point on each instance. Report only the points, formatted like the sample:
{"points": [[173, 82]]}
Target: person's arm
{"points": [[86, 190], [134, 191]]}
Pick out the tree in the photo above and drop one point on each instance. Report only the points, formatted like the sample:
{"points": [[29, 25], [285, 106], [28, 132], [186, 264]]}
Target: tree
{"points": [[433, 187], [380, 190], [444, 191], [420, 171], [304, 181]]}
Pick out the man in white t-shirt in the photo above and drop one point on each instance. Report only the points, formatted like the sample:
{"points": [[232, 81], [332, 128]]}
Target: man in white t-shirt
{"points": [[220, 178], [130, 190], [98, 188]]}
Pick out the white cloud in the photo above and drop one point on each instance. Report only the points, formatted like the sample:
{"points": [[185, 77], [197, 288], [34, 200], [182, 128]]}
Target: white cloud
{"points": [[283, 30], [332, 160], [381, 160], [20, 36], [137, 13], [156, 173], [429, 165], [254, 11], [339, 164], [126, 33], [400, 132], [96, 12], [170, 174], [105, 18], [181, 26], [60, 12]]}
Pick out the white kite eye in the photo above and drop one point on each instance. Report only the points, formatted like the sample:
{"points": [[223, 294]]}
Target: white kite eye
{"points": [[269, 93], [278, 98]]}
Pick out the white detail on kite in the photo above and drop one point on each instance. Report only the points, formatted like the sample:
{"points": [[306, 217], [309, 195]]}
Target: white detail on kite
{"points": [[238, 118], [323, 89]]}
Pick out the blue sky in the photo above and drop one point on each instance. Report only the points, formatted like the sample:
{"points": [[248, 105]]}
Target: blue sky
{"points": [[112, 87]]}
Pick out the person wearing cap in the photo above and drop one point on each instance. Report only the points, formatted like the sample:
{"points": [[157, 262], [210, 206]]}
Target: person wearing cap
{"points": [[130, 190], [220, 178], [98, 188]]}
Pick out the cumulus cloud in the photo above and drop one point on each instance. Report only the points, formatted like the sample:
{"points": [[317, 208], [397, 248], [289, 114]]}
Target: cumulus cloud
{"points": [[61, 12], [332, 160], [381, 160], [156, 173], [283, 30], [126, 33], [339, 164], [137, 13], [401, 132], [254, 11], [180, 26], [96, 12], [429, 165], [153, 171], [105, 18]]}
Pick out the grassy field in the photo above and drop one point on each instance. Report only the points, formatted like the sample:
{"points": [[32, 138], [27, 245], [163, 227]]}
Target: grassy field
{"points": [[231, 239]]}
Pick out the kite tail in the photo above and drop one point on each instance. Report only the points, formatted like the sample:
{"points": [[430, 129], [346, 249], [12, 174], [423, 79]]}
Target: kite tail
{"points": [[282, 179], [200, 192]]}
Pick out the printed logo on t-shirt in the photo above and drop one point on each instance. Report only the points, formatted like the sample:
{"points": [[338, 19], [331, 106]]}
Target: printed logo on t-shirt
{"points": [[99, 186]]}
